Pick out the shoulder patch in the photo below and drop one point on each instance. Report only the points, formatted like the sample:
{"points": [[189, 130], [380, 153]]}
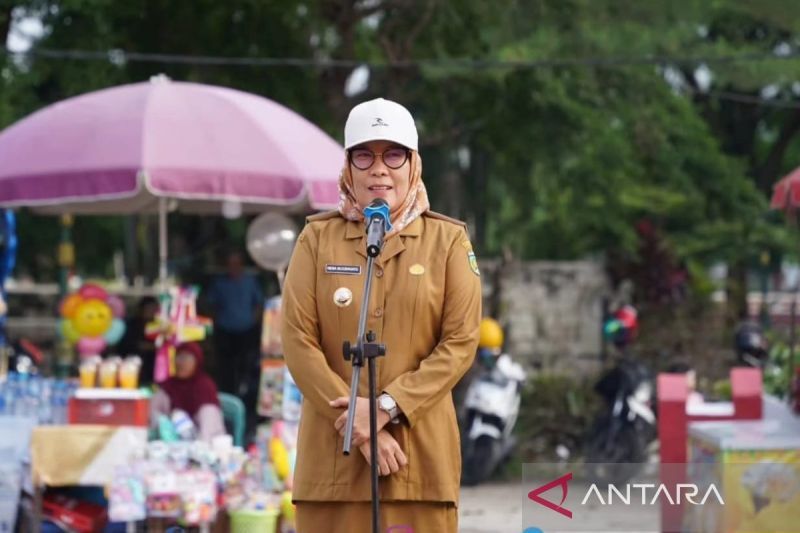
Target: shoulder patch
{"points": [[439, 216], [325, 215], [473, 262]]}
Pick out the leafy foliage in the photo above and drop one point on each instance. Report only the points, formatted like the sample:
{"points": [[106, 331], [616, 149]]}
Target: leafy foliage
{"points": [[555, 411], [559, 161]]}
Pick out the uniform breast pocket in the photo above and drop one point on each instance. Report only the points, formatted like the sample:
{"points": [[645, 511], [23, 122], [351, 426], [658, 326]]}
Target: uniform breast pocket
{"points": [[339, 299], [412, 323], [427, 311]]}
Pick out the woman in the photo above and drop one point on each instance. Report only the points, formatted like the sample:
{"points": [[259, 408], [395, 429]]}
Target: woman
{"points": [[191, 391], [424, 306]]}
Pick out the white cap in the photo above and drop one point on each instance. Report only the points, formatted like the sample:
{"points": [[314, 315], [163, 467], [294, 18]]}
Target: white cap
{"points": [[380, 120]]}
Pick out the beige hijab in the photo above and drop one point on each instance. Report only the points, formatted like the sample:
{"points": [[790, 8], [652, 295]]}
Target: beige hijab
{"points": [[415, 203]]}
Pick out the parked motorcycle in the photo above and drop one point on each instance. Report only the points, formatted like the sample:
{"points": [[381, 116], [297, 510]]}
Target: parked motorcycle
{"points": [[751, 345], [619, 438], [492, 405], [618, 443]]}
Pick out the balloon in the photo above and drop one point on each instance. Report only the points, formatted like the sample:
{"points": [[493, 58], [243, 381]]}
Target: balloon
{"points": [[91, 345], [92, 318], [70, 304], [115, 332], [67, 330], [270, 240], [91, 290], [627, 316], [117, 306]]}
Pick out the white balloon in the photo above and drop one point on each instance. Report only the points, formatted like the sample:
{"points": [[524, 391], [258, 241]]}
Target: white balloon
{"points": [[270, 240]]}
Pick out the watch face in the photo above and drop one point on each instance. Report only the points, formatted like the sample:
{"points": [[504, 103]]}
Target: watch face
{"points": [[387, 402]]}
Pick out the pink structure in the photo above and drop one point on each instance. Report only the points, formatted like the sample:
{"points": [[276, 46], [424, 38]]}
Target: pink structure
{"points": [[674, 419]]}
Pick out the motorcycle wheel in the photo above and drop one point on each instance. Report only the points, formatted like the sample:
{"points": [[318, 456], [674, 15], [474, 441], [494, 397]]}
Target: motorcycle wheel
{"points": [[480, 462], [615, 462]]}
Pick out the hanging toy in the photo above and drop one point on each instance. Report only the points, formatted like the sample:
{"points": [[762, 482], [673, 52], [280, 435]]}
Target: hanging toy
{"points": [[176, 322], [91, 319]]}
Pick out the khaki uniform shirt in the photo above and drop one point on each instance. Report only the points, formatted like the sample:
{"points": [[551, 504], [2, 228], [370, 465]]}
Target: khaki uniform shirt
{"points": [[425, 306]]}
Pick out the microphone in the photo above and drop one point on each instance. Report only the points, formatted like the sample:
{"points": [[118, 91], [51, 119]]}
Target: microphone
{"points": [[376, 215]]}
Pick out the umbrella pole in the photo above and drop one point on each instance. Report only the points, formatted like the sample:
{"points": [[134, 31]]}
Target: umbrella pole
{"points": [[162, 244]]}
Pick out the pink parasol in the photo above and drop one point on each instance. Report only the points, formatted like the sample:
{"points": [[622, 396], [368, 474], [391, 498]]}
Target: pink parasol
{"points": [[786, 197], [117, 150], [159, 146], [786, 193]]}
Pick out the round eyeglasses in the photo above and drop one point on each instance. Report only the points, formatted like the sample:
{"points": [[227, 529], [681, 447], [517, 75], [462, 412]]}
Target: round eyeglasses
{"points": [[394, 158]]}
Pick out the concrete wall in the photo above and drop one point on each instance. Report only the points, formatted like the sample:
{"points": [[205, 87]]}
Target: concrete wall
{"points": [[551, 310]]}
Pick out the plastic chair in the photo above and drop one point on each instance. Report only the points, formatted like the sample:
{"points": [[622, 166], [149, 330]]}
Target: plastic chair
{"points": [[234, 414]]}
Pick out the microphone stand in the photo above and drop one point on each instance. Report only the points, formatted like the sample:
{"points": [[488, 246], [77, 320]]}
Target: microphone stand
{"points": [[366, 349]]}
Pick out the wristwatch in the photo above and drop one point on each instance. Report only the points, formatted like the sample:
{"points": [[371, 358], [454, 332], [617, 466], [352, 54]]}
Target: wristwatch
{"points": [[387, 403]]}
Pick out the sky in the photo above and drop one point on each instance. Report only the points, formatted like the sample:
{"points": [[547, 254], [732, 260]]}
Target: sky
{"points": [[23, 32]]}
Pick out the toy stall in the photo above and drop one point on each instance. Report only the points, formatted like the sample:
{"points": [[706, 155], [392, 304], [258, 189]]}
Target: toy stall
{"points": [[87, 454], [104, 419]]}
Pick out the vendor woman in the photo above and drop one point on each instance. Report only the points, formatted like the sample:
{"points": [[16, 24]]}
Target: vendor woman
{"points": [[191, 390]]}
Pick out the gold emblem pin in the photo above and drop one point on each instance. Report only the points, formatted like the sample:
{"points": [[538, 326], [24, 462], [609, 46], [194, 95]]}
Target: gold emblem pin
{"points": [[416, 269], [343, 297]]}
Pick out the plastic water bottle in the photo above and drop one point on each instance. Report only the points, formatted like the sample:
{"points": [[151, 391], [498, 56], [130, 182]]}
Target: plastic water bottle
{"points": [[33, 397], [13, 405], [45, 413], [8, 407], [59, 400]]}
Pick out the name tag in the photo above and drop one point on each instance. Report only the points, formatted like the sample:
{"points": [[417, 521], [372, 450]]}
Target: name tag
{"points": [[348, 270]]}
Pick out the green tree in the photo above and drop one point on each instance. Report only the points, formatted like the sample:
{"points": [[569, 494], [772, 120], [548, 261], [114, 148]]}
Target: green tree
{"points": [[555, 160]]}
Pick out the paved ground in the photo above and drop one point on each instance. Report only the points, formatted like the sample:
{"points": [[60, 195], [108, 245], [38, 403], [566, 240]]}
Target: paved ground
{"points": [[491, 508]]}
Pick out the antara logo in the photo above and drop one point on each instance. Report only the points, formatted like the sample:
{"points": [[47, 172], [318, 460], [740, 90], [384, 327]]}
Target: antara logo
{"points": [[651, 494], [684, 493], [563, 483]]}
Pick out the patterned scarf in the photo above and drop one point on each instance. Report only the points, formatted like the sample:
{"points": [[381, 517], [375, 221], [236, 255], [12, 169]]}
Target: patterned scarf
{"points": [[414, 204]]}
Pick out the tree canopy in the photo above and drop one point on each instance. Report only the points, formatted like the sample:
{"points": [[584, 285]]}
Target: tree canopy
{"points": [[552, 126]]}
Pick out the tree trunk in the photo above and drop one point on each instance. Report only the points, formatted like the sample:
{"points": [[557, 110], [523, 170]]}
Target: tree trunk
{"points": [[5, 22], [737, 292], [451, 193], [479, 168]]}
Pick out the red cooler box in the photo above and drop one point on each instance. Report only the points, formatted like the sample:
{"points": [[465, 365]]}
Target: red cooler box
{"points": [[110, 407], [82, 517]]}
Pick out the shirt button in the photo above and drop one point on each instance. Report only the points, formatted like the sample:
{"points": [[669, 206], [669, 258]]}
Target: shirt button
{"points": [[379, 312], [379, 272]]}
